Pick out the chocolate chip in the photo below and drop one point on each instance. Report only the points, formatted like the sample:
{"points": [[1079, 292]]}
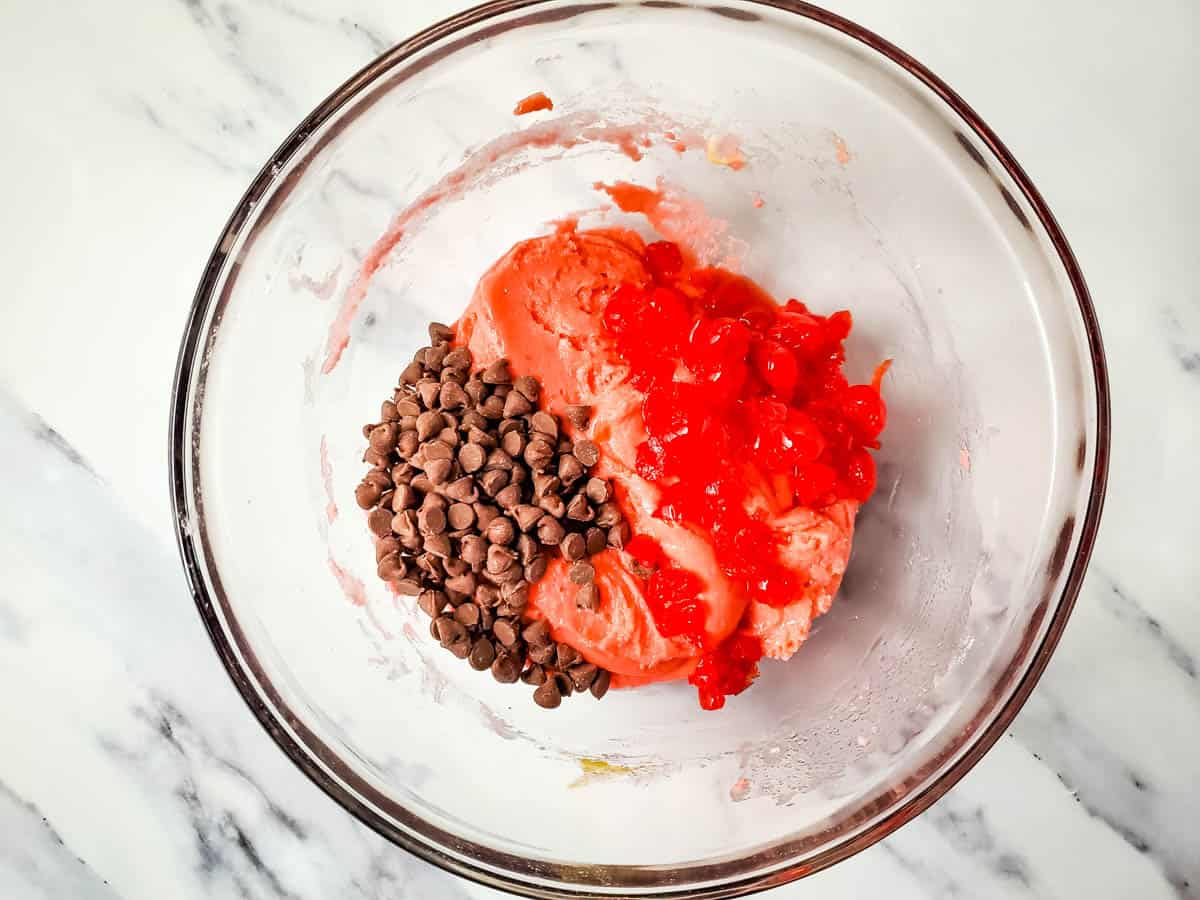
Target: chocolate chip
{"points": [[595, 539], [500, 559], [431, 499], [579, 510], [439, 332], [516, 595], [452, 396], [573, 546], [499, 460], [458, 358], [536, 633], [383, 437], [582, 675], [386, 546], [608, 514], [569, 469], [492, 408], [527, 548], [486, 596], [482, 654], [482, 438], [438, 545], [429, 423], [411, 374], [497, 373], [527, 516], [579, 415], [516, 404], [598, 490], [471, 458], [501, 530], [529, 386], [545, 484], [430, 565], [439, 470], [464, 583], [408, 587], [408, 444], [509, 497], [391, 567], [538, 454], [431, 520], [587, 453], [376, 459], [462, 490], [461, 516], [428, 390], [432, 602], [536, 568], [435, 356], [550, 532], [404, 523], [582, 573], [542, 654], [588, 597], [567, 655], [544, 423], [366, 495], [547, 696], [553, 505], [380, 522], [506, 669], [405, 497], [422, 484], [492, 481], [388, 411], [449, 631], [435, 449], [476, 390], [563, 682], [380, 478], [467, 615], [484, 514], [513, 442], [511, 574], [455, 567], [506, 631], [534, 675], [600, 685]]}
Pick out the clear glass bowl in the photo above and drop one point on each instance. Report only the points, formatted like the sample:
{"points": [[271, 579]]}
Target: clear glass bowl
{"points": [[869, 186]]}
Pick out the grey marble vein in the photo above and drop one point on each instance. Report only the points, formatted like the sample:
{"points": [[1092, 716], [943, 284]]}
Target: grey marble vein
{"points": [[1116, 793], [1123, 606], [35, 861], [1186, 354]]}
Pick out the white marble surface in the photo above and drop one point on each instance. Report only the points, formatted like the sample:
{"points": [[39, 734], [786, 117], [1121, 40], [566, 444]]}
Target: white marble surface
{"points": [[128, 765]]}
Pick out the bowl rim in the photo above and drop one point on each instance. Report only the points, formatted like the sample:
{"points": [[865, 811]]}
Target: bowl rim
{"points": [[199, 328]]}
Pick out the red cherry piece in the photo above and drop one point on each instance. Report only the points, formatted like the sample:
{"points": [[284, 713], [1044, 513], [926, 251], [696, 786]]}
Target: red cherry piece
{"points": [[864, 411], [744, 403], [663, 259], [673, 595]]}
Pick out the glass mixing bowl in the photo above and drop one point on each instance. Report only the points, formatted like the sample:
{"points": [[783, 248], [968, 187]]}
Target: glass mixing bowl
{"points": [[868, 185]]}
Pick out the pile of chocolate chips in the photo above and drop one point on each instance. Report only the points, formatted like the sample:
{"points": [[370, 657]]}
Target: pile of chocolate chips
{"points": [[472, 488]]}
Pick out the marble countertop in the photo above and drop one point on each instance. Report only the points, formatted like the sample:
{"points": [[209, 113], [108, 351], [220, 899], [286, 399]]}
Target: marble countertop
{"points": [[131, 130]]}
